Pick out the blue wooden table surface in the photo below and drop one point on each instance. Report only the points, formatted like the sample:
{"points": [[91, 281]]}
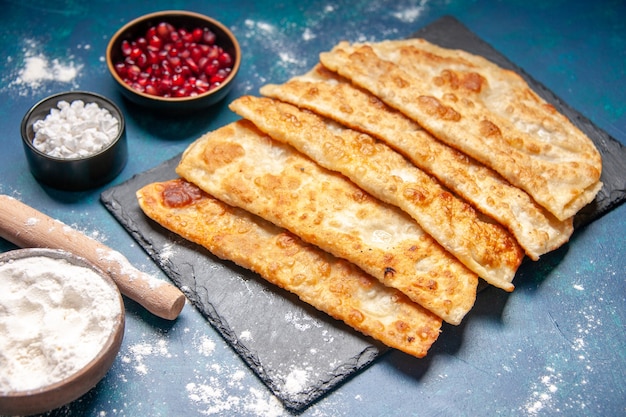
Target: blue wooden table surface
{"points": [[555, 346]]}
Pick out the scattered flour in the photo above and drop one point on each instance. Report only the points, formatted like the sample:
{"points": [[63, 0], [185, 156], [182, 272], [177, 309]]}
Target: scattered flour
{"points": [[550, 393], [120, 265], [140, 351], [296, 381], [167, 252], [37, 70], [277, 41], [286, 41], [300, 321], [411, 14], [213, 400], [246, 336], [214, 389], [205, 345], [543, 391], [208, 394], [308, 34]]}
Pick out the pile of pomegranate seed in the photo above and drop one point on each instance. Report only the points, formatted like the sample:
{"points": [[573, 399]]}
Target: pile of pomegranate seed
{"points": [[174, 62]]}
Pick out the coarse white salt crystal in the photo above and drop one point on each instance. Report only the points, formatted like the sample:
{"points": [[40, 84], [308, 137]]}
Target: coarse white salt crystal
{"points": [[75, 130]]}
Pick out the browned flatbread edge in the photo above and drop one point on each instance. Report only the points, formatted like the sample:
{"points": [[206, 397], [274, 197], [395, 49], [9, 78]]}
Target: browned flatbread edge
{"points": [[329, 284]]}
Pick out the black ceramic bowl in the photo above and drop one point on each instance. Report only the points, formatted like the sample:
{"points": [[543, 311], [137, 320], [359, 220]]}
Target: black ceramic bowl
{"points": [[179, 19], [74, 174]]}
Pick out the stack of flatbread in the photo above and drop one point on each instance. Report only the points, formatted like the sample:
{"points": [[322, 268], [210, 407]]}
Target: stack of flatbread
{"points": [[382, 184]]}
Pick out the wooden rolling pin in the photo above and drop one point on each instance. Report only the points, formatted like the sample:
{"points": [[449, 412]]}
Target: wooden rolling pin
{"points": [[26, 227]]}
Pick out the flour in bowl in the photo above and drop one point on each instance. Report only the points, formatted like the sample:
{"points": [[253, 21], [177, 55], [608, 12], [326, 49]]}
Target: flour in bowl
{"points": [[55, 318]]}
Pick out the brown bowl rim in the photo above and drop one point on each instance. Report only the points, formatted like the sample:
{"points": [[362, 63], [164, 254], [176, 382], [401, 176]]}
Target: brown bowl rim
{"points": [[164, 14]]}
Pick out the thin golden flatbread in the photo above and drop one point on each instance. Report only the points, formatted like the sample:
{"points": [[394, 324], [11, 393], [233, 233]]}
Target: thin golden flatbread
{"points": [[245, 168], [329, 284], [330, 95], [486, 112], [480, 244]]}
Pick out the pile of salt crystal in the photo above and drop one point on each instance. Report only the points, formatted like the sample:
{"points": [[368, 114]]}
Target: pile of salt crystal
{"points": [[75, 130]]}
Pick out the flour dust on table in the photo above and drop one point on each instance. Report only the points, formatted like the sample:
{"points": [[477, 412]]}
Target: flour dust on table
{"points": [[37, 70]]}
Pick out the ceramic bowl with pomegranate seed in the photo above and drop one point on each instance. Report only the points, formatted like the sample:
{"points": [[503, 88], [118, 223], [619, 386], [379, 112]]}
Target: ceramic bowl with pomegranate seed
{"points": [[174, 61]]}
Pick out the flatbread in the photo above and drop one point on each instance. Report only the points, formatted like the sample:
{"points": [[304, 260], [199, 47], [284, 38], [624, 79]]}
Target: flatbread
{"points": [[486, 112], [329, 284], [480, 244], [330, 95], [243, 167]]}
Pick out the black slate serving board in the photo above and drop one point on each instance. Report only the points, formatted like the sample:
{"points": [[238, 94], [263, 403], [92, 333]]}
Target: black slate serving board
{"points": [[297, 351]]}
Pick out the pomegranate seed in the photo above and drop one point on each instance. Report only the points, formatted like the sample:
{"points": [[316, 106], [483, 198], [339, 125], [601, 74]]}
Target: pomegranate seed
{"points": [[152, 90], [179, 92], [135, 52], [202, 62], [153, 58], [214, 52], [155, 42], [225, 60], [174, 62], [164, 29], [197, 34], [165, 84], [192, 65], [178, 80], [208, 36], [121, 70], [142, 60], [196, 53], [126, 48], [133, 72], [217, 79], [187, 37], [185, 71], [211, 68], [138, 87], [202, 85]]}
